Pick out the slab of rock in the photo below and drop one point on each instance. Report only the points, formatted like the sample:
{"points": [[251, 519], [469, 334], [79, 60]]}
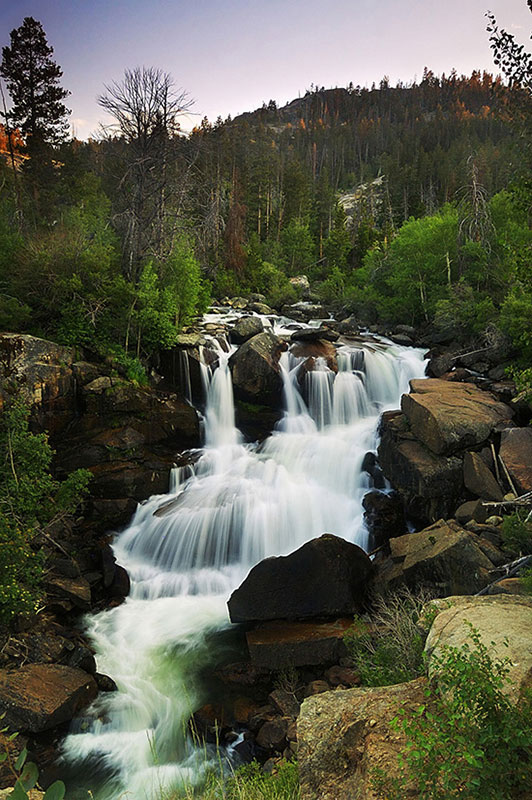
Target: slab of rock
{"points": [[245, 328], [326, 577], [479, 479], [516, 452], [38, 697], [504, 623], [431, 485], [448, 416], [256, 371], [315, 334], [444, 556], [280, 644], [344, 735]]}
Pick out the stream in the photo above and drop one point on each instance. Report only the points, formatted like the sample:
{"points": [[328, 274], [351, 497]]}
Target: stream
{"points": [[237, 504]]}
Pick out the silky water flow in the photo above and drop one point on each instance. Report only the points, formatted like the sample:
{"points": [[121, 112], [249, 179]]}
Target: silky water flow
{"points": [[236, 505]]}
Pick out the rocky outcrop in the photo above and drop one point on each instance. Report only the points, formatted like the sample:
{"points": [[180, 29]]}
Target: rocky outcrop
{"points": [[38, 697], [443, 557], [326, 577], [245, 328], [430, 485], [256, 372], [343, 736], [479, 479], [448, 417], [504, 624]]}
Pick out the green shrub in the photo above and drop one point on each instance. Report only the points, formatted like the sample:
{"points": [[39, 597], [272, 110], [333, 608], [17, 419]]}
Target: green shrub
{"points": [[25, 774], [388, 647], [468, 740], [517, 533]]}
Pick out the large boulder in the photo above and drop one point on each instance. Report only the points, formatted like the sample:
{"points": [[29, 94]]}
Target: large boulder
{"points": [[516, 452], [443, 557], [431, 485], [256, 371], [504, 623], [326, 577], [38, 697], [343, 735], [448, 416], [245, 328]]}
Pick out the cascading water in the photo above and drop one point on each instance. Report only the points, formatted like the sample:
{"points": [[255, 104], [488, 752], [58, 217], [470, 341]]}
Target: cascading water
{"points": [[187, 550]]}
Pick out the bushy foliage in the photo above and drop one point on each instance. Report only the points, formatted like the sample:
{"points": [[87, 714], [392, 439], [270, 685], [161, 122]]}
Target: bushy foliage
{"points": [[24, 773], [29, 499], [468, 740], [517, 533], [249, 782]]}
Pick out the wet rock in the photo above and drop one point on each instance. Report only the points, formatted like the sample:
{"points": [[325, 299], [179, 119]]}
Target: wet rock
{"points": [[448, 417], [261, 308], [326, 577], [444, 557], [504, 624], [371, 465], [516, 452], [245, 328], [105, 683], [244, 673], [305, 312], [279, 645], [77, 590], [479, 479], [38, 697], [406, 330], [120, 584], [384, 516], [315, 335], [256, 372], [402, 339], [344, 734]]}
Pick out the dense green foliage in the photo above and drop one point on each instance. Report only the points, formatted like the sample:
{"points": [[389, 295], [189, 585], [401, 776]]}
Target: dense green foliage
{"points": [[24, 773], [29, 500], [468, 740], [517, 533], [249, 782]]}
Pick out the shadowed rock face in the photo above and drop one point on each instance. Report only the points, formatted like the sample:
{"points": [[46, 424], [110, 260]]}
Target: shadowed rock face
{"points": [[326, 577], [256, 371], [38, 697]]}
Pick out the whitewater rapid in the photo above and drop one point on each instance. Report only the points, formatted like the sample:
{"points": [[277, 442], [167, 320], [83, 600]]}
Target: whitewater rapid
{"points": [[187, 550]]}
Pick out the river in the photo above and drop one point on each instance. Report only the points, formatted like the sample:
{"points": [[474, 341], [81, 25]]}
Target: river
{"points": [[237, 504]]}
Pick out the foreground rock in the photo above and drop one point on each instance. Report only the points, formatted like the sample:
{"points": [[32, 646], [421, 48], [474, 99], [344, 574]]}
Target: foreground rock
{"points": [[38, 697], [326, 577], [245, 328], [256, 371], [444, 557], [449, 416], [504, 624], [343, 736]]}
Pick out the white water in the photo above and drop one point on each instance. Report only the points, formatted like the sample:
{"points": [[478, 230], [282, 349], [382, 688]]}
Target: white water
{"points": [[237, 505]]}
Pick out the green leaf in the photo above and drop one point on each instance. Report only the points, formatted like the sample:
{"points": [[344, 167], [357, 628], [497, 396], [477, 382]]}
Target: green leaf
{"points": [[29, 775], [56, 791], [19, 763], [18, 793]]}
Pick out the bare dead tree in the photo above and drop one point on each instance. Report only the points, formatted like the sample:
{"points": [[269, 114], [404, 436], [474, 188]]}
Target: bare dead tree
{"points": [[146, 108]]}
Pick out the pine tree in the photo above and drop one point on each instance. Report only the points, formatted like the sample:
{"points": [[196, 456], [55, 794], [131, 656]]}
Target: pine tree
{"points": [[32, 80]]}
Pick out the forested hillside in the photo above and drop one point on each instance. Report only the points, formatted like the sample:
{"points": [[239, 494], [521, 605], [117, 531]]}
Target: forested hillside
{"points": [[402, 204]]}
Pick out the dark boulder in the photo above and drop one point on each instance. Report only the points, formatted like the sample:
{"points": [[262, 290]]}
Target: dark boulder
{"points": [[281, 644], [245, 328], [256, 371], [326, 577], [479, 479], [384, 516], [516, 452]]}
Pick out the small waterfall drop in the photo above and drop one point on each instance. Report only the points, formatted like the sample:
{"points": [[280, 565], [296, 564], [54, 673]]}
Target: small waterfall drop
{"points": [[187, 550]]}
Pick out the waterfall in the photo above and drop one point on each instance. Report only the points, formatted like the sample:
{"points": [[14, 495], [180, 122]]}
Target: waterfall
{"points": [[187, 550]]}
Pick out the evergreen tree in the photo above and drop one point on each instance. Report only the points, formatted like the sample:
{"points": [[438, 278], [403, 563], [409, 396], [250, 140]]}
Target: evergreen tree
{"points": [[32, 79]]}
